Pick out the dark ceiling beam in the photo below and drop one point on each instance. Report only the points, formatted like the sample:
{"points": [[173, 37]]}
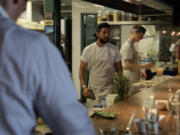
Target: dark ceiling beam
{"points": [[169, 3], [126, 6], [116, 4]]}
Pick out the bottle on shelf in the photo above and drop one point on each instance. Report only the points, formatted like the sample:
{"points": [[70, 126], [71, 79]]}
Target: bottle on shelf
{"points": [[123, 16], [129, 16], [116, 15], [99, 16], [139, 17], [134, 17], [104, 17]]}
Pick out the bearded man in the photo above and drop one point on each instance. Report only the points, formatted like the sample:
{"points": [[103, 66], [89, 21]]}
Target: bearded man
{"points": [[102, 59]]}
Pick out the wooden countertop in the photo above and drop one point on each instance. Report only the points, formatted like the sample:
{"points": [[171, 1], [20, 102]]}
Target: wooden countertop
{"points": [[125, 108]]}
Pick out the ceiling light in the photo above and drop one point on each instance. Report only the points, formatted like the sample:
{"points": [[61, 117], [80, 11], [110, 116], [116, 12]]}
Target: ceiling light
{"points": [[178, 34], [164, 32], [173, 33]]}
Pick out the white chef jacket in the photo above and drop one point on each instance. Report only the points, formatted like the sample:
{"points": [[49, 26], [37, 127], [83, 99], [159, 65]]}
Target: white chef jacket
{"points": [[35, 80], [128, 52], [101, 64]]}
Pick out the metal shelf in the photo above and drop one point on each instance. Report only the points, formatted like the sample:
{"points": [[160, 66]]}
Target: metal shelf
{"points": [[136, 22]]}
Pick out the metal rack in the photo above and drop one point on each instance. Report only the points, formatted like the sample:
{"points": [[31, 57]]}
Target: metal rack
{"points": [[136, 22]]}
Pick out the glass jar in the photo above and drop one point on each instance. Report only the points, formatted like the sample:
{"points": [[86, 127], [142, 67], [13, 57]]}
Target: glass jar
{"points": [[139, 17], [123, 18], [109, 16], [116, 15], [134, 17], [104, 17], [126, 16], [99, 16], [129, 16]]}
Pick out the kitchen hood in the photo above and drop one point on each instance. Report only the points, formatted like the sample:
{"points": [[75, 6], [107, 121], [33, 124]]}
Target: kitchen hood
{"points": [[161, 5]]}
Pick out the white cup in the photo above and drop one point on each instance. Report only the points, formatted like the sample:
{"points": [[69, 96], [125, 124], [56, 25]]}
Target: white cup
{"points": [[110, 99]]}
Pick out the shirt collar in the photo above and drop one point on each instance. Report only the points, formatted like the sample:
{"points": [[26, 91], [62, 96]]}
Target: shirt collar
{"points": [[3, 12], [106, 44], [130, 41]]}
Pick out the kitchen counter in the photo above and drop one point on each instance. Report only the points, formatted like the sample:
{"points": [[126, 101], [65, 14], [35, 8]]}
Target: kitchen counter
{"points": [[125, 108]]}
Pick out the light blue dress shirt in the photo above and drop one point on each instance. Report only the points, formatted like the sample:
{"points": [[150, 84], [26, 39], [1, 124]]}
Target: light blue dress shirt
{"points": [[35, 80]]}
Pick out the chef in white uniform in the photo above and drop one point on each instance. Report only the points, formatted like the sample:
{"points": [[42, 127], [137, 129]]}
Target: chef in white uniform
{"points": [[130, 62], [102, 59]]}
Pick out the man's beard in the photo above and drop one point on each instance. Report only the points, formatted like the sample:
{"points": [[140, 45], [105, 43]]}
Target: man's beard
{"points": [[103, 41]]}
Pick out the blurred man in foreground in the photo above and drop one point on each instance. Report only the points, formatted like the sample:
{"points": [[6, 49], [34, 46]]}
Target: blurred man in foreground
{"points": [[34, 81]]}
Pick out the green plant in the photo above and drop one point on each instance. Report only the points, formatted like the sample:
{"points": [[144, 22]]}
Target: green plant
{"points": [[121, 85]]}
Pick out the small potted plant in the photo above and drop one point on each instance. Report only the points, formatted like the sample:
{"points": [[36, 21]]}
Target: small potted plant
{"points": [[121, 85]]}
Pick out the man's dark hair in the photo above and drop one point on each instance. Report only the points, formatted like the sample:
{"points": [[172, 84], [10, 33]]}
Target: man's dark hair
{"points": [[138, 28], [102, 25]]}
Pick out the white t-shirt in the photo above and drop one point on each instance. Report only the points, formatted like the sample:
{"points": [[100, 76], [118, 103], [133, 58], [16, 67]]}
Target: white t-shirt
{"points": [[100, 53], [100, 62], [128, 52]]}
